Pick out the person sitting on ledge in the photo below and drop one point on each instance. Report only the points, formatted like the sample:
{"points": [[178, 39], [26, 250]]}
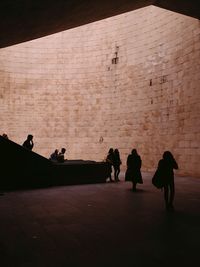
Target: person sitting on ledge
{"points": [[28, 143], [5, 135], [61, 156], [54, 155]]}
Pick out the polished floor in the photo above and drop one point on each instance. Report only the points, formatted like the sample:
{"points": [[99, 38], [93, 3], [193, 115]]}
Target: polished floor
{"points": [[100, 225]]}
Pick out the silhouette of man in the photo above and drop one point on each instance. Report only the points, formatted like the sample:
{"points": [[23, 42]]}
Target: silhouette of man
{"points": [[54, 155], [61, 155], [28, 143]]}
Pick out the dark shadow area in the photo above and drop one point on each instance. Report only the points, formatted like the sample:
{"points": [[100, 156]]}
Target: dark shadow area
{"points": [[180, 217], [23, 168], [100, 225], [25, 20]]}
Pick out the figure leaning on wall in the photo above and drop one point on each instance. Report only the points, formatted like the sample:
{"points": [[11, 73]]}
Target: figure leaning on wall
{"points": [[110, 160], [116, 164]]}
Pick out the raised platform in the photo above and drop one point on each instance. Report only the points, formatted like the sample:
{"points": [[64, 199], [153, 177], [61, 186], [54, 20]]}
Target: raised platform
{"points": [[21, 168], [79, 172]]}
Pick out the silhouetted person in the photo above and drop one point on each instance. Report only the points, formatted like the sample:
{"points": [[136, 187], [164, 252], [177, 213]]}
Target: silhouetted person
{"points": [[116, 164], [110, 160], [61, 155], [133, 172], [28, 144], [54, 155], [5, 135], [167, 165]]}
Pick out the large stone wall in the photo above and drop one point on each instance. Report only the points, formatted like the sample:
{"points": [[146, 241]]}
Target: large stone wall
{"points": [[130, 81]]}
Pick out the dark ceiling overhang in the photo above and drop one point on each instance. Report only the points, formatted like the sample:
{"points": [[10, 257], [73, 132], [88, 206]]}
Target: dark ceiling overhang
{"points": [[25, 20]]}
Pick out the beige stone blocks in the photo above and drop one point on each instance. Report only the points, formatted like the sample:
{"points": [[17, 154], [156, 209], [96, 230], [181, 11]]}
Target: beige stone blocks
{"points": [[67, 91]]}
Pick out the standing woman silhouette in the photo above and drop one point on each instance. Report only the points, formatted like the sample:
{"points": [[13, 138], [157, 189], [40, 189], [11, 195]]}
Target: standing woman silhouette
{"points": [[133, 172], [116, 164], [109, 160]]}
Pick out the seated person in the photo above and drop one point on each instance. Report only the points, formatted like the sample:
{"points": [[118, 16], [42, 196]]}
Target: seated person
{"points": [[54, 155], [28, 143], [61, 157], [5, 135]]}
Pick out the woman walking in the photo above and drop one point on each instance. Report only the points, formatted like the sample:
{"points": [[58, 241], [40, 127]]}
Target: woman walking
{"points": [[166, 166], [133, 172]]}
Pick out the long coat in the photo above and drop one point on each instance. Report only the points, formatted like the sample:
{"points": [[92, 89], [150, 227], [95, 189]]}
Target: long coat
{"points": [[133, 172]]}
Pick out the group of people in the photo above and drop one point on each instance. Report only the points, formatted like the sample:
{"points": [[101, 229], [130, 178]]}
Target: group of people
{"points": [[165, 168], [57, 156], [134, 164], [113, 158]]}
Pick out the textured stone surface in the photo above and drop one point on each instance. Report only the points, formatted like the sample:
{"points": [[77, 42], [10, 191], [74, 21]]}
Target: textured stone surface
{"points": [[66, 91]]}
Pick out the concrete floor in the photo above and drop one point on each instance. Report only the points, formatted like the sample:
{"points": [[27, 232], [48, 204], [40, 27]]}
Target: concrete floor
{"points": [[100, 225]]}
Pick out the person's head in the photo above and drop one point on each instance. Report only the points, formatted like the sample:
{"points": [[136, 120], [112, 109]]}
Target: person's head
{"points": [[56, 151], [5, 136], [30, 137], [116, 151], [167, 155], [134, 152], [63, 150], [110, 150]]}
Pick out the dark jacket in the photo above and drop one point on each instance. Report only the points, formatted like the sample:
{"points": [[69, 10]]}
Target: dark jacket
{"points": [[133, 172], [28, 144], [166, 168]]}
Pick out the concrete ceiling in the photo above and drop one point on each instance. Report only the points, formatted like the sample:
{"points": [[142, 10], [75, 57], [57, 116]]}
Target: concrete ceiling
{"points": [[25, 20]]}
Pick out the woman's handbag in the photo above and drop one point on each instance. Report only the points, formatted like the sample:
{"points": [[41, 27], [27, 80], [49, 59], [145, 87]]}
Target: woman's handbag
{"points": [[158, 179]]}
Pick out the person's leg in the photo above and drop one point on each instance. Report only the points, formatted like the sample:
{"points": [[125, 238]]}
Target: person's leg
{"points": [[118, 171], [110, 174], [134, 186], [166, 196], [115, 173], [171, 195]]}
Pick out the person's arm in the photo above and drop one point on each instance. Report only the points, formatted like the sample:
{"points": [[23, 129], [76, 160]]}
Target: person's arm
{"points": [[175, 165], [128, 161], [32, 144], [140, 162]]}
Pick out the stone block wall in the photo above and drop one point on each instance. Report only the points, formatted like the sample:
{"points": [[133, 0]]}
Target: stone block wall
{"points": [[130, 81]]}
